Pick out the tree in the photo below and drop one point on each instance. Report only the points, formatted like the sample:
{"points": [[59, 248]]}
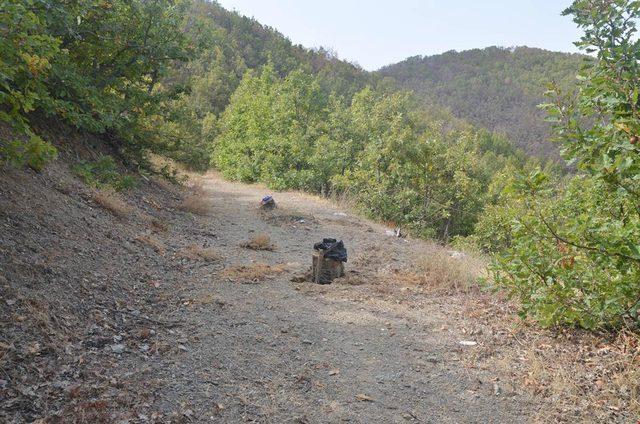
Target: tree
{"points": [[574, 257]]}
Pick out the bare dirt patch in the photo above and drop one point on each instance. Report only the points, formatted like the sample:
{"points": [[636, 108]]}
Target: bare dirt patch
{"points": [[252, 273], [288, 218]]}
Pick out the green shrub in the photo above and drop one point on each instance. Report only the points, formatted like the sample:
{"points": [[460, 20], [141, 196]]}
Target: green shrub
{"points": [[104, 172], [570, 259], [34, 153], [573, 250]]}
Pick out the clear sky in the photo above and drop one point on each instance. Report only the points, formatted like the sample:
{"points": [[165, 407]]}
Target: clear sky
{"points": [[376, 33]]}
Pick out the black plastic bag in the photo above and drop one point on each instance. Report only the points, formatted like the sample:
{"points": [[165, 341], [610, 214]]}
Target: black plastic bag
{"points": [[333, 249]]}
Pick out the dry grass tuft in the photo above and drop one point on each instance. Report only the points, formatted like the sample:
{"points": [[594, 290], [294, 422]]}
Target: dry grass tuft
{"points": [[197, 203], [112, 202], [159, 225], [445, 270], [198, 253], [437, 270], [152, 242], [259, 242], [255, 272]]}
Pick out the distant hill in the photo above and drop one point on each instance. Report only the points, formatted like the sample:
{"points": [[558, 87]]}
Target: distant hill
{"points": [[228, 44], [496, 88]]}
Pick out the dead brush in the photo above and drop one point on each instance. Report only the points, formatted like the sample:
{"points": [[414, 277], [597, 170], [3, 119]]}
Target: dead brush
{"points": [[195, 252], [579, 376], [152, 242], [437, 270], [601, 376], [252, 273], [197, 205], [259, 242], [112, 202]]}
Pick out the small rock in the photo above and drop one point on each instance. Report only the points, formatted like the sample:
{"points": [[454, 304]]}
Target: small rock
{"points": [[183, 347], [144, 348], [145, 333], [308, 342], [364, 398], [11, 302], [117, 348], [468, 343], [496, 389], [61, 384]]}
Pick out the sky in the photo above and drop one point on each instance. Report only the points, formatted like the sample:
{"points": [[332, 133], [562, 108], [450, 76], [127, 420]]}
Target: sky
{"points": [[376, 33]]}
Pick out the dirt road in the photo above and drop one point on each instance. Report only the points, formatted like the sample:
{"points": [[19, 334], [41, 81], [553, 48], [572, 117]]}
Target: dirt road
{"points": [[277, 351], [115, 318]]}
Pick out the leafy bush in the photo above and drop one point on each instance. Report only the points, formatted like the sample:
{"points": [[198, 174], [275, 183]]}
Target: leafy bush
{"points": [[573, 255], [26, 53], [103, 80], [104, 172], [35, 153]]}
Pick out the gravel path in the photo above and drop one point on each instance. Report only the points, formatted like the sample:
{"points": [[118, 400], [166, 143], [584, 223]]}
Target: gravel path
{"points": [[278, 351]]}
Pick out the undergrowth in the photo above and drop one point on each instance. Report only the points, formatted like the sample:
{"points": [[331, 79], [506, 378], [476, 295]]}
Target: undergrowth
{"points": [[104, 172]]}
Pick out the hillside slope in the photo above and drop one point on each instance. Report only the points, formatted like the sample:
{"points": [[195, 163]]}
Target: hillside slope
{"points": [[496, 88], [150, 313]]}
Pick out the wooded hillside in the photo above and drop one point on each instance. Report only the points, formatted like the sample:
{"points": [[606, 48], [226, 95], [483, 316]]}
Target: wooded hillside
{"points": [[496, 88]]}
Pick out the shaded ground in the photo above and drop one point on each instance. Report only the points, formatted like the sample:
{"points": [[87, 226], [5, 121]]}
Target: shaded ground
{"points": [[162, 316]]}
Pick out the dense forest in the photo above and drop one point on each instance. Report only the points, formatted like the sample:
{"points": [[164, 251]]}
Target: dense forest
{"points": [[496, 88], [189, 80]]}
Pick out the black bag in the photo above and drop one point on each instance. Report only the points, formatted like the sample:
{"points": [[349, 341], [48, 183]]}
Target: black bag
{"points": [[333, 249]]}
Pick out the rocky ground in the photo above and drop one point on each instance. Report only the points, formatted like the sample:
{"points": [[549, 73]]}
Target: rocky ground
{"points": [[146, 307]]}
